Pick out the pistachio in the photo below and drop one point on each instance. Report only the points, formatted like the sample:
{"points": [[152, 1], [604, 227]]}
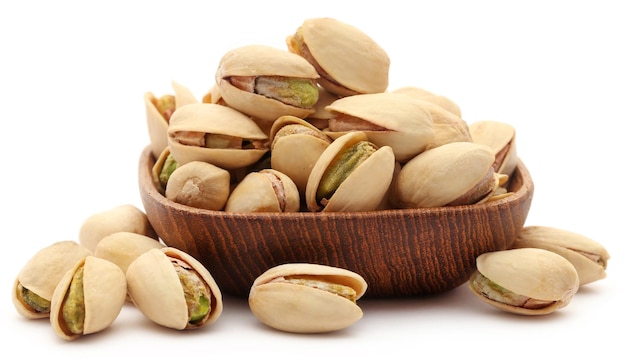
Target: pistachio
{"points": [[123, 247], [527, 281], [307, 298], [500, 137], [173, 289], [36, 281], [88, 298], [589, 257], [199, 184], [125, 217], [266, 190], [163, 168]]}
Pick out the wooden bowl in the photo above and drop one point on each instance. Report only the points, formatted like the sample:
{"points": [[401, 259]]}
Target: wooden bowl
{"points": [[398, 252]]}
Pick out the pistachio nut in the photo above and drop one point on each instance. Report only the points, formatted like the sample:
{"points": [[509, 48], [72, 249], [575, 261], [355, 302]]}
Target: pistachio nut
{"points": [[458, 173], [527, 281], [124, 217], [387, 119], [307, 298], [362, 67], [173, 289], [352, 174], [199, 184], [122, 248], [589, 257], [266, 190], [425, 95], [163, 168], [36, 281], [88, 298], [215, 134], [266, 82], [295, 147], [500, 137]]}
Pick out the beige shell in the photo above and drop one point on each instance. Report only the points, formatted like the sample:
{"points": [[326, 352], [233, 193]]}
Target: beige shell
{"points": [[445, 174], [320, 117], [349, 61], [104, 289], [220, 120], [156, 289], [157, 124], [500, 137], [295, 146], [261, 60], [43, 272], [126, 217], [123, 247], [408, 127], [364, 189], [305, 309], [535, 274], [589, 257], [266, 190], [439, 100], [199, 184]]}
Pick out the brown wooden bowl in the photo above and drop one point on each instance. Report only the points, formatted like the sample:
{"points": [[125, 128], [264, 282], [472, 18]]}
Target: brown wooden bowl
{"points": [[398, 252]]}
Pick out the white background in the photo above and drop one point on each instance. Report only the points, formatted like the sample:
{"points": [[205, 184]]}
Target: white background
{"points": [[72, 78]]}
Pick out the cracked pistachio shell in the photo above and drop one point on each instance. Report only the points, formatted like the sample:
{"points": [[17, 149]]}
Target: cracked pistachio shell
{"points": [[527, 281], [123, 247], [257, 61], [387, 119], [266, 190], [589, 257], [451, 174], [124, 217], [500, 137], [42, 273], [425, 95], [191, 126], [156, 289], [199, 184], [157, 122], [365, 186], [103, 295], [305, 298], [295, 146], [362, 67]]}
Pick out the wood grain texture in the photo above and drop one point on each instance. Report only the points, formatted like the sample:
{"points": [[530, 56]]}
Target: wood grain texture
{"points": [[398, 252]]}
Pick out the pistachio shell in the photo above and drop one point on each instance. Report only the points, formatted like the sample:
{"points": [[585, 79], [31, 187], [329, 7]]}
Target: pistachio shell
{"points": [[104, 294], [266, 190], [400, 122], [320, 117], [218, 120], [299, 308], [500, 137], [589, 257], [425, 95], [362, 67], [199, 184], [371, 178], [43, 272], [123, 247], [537, 276], [156, 289], [261, 60]]}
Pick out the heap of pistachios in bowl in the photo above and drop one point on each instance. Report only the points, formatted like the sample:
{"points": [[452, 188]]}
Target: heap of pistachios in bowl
{"points": [[309, 128]]}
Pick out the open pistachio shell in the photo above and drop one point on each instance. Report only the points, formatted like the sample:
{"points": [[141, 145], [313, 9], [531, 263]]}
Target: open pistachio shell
{"points": [[199, 184], [365, 184], [255, 61], [362, 66], [88, 298], [187, 298], [295, 147], [500, 137], [215, 134], [307, 298], [589, 257], [387, 119], [439, 100], [266, 190], [457, 173], [527, 281], [36, 281]]}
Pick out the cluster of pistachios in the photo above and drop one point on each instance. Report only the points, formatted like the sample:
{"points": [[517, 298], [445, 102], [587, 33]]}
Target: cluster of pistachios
{"points": [[303, 129], [540, 273]]}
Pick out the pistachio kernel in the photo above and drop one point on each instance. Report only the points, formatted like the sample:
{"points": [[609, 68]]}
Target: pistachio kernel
{"points": [[32, 300], [73, 309], [197, 293], [338, 289]]}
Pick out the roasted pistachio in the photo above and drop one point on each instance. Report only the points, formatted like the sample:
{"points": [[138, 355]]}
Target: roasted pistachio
{"points": [[500, 137], [527, 281], [589, 257], [266, 190], [36, 281], [88, 298], [199, 184], [173, 289], [307, 298]]}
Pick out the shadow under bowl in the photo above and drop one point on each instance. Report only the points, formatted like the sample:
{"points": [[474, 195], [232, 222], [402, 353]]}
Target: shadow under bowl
{"points": [[400, 252]]}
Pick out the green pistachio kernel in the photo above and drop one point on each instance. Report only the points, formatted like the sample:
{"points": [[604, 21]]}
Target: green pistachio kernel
{"points": [[74, 304], [197, 293], [302, 93], [168, 168], [34, 301]]}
